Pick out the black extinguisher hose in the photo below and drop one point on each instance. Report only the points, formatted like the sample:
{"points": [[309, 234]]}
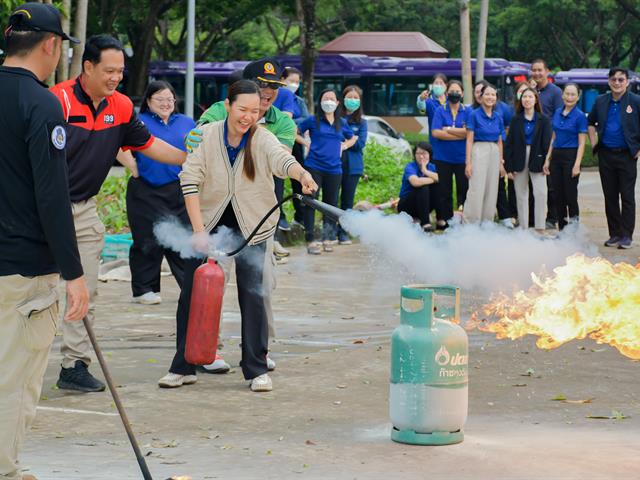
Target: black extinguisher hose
{"points": [[255, 230]]}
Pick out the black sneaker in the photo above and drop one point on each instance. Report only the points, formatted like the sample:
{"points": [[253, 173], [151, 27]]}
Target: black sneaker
{"points": [[284, 225], [78, 378], [612, 242], [624, 243]]}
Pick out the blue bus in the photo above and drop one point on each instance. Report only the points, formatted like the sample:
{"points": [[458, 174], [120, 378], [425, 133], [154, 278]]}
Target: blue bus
{"points": [[390, 84]]}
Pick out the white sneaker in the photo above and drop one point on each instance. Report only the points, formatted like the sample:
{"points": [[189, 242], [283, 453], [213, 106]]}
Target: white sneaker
{"points": [[271, 365], [173, 380], [507, 222], [149, 298], [218, 366], [261, 383], [279, 250], [281, 260]]}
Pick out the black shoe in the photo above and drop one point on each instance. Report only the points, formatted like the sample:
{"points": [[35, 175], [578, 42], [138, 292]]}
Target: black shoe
{"points": [[78, 378], [284, 225], [613, 241]]}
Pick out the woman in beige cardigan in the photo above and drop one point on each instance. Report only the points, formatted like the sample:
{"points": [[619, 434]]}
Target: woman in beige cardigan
{"points": [[228, 182]]}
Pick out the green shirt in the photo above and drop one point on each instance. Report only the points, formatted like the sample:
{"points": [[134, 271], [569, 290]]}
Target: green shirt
{"points": [[276, 122]]}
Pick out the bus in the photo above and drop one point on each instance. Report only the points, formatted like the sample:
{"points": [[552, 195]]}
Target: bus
{"points": [[390, 84], [593, 82]]}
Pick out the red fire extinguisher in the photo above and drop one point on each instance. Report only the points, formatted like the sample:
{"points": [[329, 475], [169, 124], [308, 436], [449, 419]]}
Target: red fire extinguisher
{"points": [[204, 314]]}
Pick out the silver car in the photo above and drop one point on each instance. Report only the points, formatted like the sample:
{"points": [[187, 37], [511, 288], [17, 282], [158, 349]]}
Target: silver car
{"points": [[385, 134]]}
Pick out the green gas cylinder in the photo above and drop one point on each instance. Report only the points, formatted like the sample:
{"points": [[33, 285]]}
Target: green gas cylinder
{"points": [[428, 397]]}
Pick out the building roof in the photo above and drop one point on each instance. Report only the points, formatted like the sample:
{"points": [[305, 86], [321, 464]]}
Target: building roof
{"points": [[381, 44]]}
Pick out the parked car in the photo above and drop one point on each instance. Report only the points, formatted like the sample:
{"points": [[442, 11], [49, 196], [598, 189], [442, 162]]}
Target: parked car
{"points": [[385, 134]]}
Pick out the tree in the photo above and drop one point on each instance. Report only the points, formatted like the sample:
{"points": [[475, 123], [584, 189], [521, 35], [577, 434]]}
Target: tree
{"points": [[307, 17]]}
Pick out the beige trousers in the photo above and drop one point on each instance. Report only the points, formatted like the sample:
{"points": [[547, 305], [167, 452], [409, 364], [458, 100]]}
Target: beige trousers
{"points": [[28, 315], [482, 195], [90, 235], [521, 185]]}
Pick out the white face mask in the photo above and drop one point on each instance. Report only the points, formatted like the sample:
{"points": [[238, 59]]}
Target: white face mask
{"points": [[293, 87], [328, 106]]}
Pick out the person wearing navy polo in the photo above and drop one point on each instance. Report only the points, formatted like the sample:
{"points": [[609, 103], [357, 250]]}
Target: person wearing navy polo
{"points": [[417, 195], [614, 131], [484, 163], [525, 152], [430, 100], [449, 140], [330, 136], [565, 155], [155, 194]]}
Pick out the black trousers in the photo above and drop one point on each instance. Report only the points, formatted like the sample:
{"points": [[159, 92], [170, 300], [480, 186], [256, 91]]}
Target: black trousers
{"points": [[618, 172], [146, 205], [251, 297], [444, 188], [564, 185], [348, 187], [330, 186], [296, 187], [419, 203], [506, 203]]}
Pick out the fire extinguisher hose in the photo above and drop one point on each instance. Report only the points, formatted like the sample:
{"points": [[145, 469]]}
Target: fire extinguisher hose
{"points": [[255, 230]]}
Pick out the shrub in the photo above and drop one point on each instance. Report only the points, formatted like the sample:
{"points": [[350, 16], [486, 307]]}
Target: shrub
{"points": [[112, 205]]}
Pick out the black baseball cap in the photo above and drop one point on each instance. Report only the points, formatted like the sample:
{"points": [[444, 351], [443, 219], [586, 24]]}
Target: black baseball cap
{"points": [[266, 69], [38, 17]]}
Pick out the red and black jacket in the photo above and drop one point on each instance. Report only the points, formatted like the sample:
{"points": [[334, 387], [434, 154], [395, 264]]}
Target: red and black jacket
{"points": [[95, 135]]}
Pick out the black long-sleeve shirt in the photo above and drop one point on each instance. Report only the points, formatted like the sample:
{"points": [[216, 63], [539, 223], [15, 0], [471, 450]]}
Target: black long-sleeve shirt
{"points": [[37, 235]]}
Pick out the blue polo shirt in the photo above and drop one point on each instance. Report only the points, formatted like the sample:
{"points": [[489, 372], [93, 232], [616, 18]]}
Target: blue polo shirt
{"points": [[354, 156], [568, 127], [529, 127], [613, 136], [430, 106], [550, 99], [324, 154], [506, 111], [155, 173], [412, 168], [285, 101], [485, 128], [233, 151], [449, 151]]}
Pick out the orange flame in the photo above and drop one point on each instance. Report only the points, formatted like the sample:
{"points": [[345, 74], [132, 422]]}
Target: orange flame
{"points": [[587, 297]]}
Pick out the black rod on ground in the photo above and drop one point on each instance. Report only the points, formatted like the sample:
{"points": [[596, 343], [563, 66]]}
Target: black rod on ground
{"points": [[112, 388]]}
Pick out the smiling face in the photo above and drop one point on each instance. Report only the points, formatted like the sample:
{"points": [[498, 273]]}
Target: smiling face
{"points": [[528, 100], [243, 113], [489, 97], [618, 83], [162, 103], [570, 96], [539, 74], [102, 79]]}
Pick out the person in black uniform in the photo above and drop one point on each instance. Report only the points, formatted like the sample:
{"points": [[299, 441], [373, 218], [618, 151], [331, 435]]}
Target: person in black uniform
{"points": [[614, 131], [37, 237]]}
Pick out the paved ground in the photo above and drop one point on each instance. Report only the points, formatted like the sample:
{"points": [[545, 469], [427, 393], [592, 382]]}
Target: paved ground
{"points": [[328, 415]]}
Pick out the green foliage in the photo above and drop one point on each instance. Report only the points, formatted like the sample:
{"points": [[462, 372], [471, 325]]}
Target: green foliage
{"points": [[112, 205], [382, 174]]}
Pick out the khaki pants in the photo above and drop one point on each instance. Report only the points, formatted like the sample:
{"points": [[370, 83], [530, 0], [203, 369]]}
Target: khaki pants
{"points": [[90, 235], [521, 184], [480, 205], [28, 315]]}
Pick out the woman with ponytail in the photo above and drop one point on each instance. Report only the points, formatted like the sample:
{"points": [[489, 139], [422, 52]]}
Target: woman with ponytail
{"points": [[228, 182]]}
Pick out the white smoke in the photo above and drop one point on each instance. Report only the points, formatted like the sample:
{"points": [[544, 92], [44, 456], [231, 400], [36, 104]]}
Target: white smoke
{"points": [[485, 256], [172, 234]]}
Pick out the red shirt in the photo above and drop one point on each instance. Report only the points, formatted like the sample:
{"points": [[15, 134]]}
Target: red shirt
{"points": [[94, 136]]}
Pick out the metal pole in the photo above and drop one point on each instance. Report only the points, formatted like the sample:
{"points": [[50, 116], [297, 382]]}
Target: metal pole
{"points": [[189, 79], [482, 39], [116, 399]]}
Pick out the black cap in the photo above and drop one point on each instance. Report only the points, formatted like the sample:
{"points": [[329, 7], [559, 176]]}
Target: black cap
{"points": [[38, 17], [265, 69]]}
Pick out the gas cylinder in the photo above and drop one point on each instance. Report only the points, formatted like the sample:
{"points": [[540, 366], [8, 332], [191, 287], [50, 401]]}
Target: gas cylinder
{"points": [[204, 313], [428, 397]]}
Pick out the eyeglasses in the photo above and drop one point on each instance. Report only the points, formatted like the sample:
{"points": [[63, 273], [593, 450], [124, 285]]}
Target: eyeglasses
{"points": [[170, 101], [271, 85], [618, 79]]}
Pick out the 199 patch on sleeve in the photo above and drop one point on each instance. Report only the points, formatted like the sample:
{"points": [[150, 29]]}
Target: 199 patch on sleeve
{"points": [[59, 137]]}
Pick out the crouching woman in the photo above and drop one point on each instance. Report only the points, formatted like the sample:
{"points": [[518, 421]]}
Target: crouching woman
{"points": [[228, 181]]}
